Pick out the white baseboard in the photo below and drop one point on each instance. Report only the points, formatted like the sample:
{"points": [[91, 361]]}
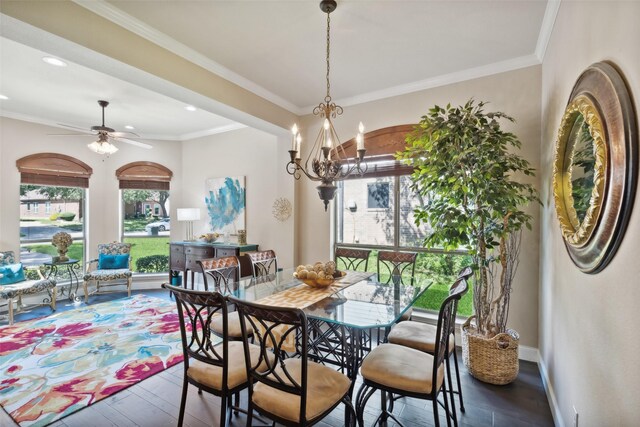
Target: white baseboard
{"points": [[530, 354], [551, 396]]}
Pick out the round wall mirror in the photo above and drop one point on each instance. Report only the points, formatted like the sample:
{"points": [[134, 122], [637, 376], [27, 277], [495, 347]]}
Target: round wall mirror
{"points": [[595, 167]]}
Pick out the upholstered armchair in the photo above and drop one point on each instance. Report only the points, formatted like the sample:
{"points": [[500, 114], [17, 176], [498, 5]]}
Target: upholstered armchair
{"points": [[14, 291], [103, 269]]}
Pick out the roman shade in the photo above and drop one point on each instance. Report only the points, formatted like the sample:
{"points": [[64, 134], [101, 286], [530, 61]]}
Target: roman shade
{"points": [[54, 169], [144, 176], [381, 145]]}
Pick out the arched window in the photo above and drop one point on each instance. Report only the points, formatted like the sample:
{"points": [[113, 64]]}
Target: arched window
{"points": [[382, 144], [144, 176], [52, 199], [146, 223], [375, 211]]}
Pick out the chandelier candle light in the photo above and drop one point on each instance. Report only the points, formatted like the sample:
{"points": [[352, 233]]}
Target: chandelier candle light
{"points": [[327, 161]]}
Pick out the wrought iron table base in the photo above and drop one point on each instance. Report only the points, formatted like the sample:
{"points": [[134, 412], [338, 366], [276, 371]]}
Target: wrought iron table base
{"points": [[54, 272]]}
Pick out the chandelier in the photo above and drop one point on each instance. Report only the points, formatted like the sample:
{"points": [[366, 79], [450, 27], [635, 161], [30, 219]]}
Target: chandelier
{"points": [[102, 145], [327, 161]]}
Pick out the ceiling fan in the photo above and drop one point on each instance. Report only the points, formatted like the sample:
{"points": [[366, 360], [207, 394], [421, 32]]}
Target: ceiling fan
{"points": [[102, 145]]}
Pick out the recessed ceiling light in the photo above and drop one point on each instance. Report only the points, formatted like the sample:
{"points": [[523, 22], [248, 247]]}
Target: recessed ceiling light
{"points": [[3, 97], [54, 61], [190, 108], [129, 127]]}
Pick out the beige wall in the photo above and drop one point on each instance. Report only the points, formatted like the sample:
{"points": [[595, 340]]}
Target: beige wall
{"points": [[588, 337], [516, 93], [260, 158], [19, 139]]}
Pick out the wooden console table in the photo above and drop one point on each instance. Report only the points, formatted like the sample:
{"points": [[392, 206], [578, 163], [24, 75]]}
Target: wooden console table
{"points": [[183, 256]]}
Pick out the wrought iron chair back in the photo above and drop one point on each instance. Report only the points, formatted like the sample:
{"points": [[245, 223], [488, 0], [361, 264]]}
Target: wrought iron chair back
{"points": [[352, 259], [396, 265], [272, 328], [219, 272], [195, 312], [263, 263], [446, 327]]}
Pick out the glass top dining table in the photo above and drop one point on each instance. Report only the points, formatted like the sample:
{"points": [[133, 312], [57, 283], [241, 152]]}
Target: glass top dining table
{"points": [[358, 300]]}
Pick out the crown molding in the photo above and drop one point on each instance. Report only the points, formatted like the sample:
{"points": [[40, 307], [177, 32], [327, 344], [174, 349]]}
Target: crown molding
{"points": [[442, 80], [118, 17], [548, 21]]}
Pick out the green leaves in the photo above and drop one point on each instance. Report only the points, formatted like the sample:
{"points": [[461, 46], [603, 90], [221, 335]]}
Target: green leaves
{"points": [[466, 166]]}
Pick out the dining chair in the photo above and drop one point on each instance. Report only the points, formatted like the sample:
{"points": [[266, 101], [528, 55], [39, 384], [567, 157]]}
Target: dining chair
{"points": [[263, 263], [422, 336], [352, 259], [211, 363], [219, 273], [404, 371], [293, 390], [394, 266]]}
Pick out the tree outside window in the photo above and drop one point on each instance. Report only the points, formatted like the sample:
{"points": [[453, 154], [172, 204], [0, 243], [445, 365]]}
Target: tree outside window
{"points": [[146, 225]]}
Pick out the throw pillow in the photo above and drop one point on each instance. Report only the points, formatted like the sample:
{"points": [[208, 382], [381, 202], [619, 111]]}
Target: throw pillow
{"points": [[11, 273], [113, 262]]}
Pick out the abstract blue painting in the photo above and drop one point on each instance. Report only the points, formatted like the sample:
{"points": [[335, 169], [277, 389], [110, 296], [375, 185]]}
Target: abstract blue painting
{"points": [[225, 202]]}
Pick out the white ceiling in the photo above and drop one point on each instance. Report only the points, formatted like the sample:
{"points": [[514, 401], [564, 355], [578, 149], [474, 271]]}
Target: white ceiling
{"points": [[277, 50]]}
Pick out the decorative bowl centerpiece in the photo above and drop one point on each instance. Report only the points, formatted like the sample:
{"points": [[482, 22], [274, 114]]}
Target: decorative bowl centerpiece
{"points": [[318, 275], [209, 237]]}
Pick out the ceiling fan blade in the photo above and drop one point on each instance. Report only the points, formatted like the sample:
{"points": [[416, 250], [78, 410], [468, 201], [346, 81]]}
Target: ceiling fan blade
{"points": [[136, 143], [69, 134], [123, 134]]}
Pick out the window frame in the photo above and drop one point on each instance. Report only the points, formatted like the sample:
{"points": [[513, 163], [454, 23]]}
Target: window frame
{"points": [[149, 176], [381, 147]]}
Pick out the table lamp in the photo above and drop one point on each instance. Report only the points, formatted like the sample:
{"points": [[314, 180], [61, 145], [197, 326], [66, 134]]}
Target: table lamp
{"points": [[189, 215]]}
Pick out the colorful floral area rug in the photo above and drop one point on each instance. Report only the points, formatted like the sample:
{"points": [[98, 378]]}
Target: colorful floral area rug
{"points": [[53, 366]]}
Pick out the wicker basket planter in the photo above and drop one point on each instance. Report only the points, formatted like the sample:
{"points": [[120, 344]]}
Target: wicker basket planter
{"points": [[492, 360]]}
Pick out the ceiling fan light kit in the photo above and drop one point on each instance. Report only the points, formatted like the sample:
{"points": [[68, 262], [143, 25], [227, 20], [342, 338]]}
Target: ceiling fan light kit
{"points": [[103, 145]]}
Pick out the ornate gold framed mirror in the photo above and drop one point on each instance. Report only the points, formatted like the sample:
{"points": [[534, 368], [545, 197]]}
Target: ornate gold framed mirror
{"points": [[595, 167]]}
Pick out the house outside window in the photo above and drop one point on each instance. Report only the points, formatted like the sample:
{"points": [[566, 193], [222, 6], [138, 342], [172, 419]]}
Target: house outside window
{"points": [[47, 207], [378, 195]]}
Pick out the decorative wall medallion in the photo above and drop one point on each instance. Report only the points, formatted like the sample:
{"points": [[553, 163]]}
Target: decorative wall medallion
{"points": [[595, 167], [282, 209]]}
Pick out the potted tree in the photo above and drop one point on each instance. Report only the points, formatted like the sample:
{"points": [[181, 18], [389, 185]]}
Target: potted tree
{"points": [[467, 173]]}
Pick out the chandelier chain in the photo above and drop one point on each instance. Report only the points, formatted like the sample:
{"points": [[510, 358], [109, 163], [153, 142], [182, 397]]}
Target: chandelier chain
{"points": [[327, 160], [328, 97]]}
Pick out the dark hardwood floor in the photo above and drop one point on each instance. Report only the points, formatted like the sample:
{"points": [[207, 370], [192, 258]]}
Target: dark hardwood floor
{"points": [[155, 402]]}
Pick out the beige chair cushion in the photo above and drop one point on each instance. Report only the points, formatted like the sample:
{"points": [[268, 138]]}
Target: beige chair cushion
{"points": [[401, 368], [233, 324], [325, 387], [418, 335], [211, 375]]}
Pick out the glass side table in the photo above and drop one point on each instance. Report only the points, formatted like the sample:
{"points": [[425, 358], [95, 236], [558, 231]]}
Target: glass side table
{"points": [[65, 270]]}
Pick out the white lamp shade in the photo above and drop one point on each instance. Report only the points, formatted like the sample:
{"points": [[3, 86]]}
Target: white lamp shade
{"points": [[188, 214]]}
